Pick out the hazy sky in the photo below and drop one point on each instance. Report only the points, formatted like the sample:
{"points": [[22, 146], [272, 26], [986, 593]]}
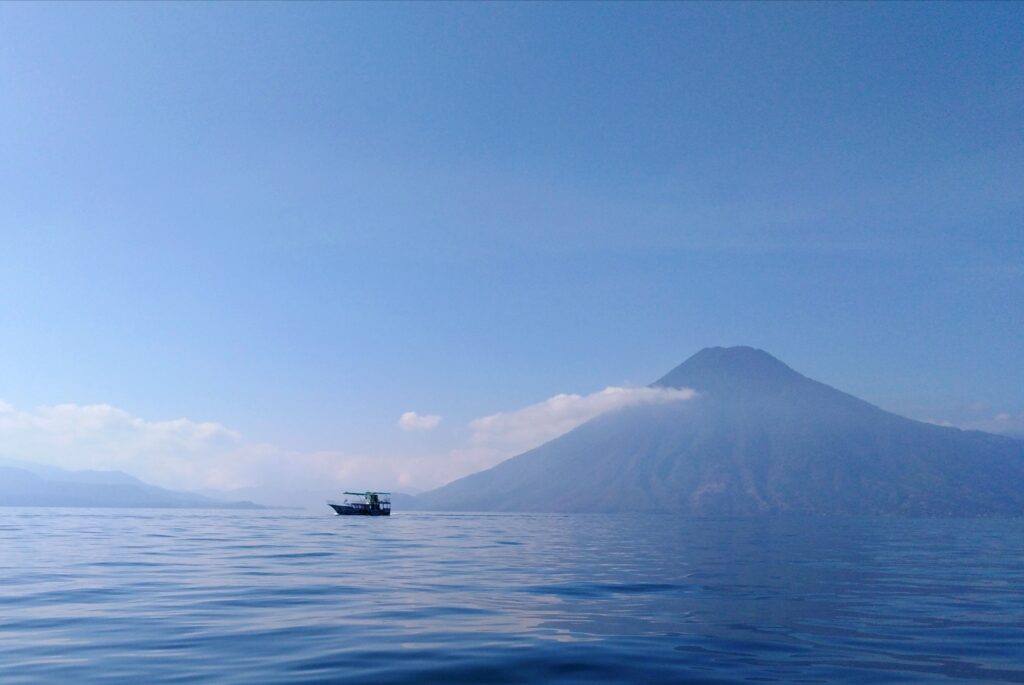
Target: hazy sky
{"points": [[334, 238]]}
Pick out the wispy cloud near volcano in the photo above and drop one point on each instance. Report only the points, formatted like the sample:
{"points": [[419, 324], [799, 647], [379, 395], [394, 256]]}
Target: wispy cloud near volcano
{"points": [[508, 433]]}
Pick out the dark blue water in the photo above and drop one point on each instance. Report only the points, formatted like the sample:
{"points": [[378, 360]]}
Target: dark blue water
{"points": [[243, 597]]}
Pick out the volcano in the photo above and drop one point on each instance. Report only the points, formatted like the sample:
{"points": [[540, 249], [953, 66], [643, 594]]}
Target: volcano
{"points": [[758, 438]]}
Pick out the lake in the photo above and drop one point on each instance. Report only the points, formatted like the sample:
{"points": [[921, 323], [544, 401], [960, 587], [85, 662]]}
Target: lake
{"points": [[269, 596]]}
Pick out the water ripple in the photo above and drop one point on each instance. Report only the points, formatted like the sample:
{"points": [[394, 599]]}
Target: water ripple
{"points": [[239, 597]]}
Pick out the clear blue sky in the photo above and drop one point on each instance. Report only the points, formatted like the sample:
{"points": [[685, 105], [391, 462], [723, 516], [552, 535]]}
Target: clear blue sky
{"points": [[301, 220]]}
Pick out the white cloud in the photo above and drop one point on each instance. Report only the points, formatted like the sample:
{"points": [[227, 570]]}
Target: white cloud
{"points": [[190, 455], [411, 421], [505, 434], [100, 436]]}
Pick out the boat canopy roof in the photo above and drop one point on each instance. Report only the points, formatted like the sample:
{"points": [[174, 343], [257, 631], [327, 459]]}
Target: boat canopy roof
{"points": [[367, 492]]}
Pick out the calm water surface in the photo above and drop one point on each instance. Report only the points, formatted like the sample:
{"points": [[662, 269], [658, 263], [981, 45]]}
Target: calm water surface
{"points": [[261, 597]]}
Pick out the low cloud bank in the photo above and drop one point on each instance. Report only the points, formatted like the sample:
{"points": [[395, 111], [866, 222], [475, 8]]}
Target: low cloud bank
{"points": [[212, 458], [176, 453]]}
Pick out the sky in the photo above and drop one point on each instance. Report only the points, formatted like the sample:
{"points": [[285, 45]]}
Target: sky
{"points": [[279, 245]]}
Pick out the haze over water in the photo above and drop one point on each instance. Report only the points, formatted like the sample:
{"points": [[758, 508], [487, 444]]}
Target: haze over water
{"points": [[243, 597]]}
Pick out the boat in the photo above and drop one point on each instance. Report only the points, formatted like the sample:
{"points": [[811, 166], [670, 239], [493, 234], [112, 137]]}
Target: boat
{"points": [[368, 504]]}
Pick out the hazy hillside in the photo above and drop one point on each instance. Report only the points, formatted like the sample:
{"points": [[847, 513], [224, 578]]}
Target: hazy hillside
{"points": [[26, 484], [759, 438]]}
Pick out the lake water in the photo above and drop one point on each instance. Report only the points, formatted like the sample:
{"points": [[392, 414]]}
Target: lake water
{"points": [[261, 597]]}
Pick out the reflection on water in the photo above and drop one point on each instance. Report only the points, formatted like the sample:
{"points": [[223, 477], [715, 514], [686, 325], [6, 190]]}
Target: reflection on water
{"points": [[243, 597]]}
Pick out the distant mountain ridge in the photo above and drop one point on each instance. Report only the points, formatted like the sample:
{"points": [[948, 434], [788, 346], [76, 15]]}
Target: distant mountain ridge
{"points": [[27, 484], [759, 438]]}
